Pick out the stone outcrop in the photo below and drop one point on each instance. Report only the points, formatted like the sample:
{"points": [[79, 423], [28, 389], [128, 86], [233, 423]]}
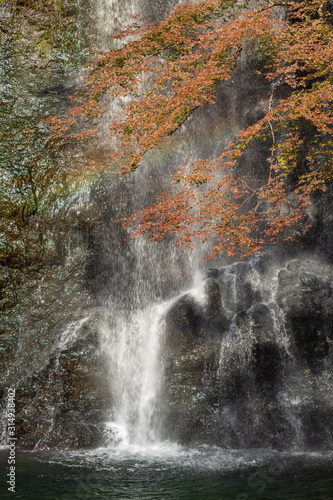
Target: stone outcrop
{"points": [[258, 380], [64, 404]]}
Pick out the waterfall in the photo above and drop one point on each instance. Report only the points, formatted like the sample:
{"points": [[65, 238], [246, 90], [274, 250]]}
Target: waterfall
{"points": [[109, 16], [141, 281], [195, 355], [160, 346], [133, 326], [132, 343], [157, 275]]}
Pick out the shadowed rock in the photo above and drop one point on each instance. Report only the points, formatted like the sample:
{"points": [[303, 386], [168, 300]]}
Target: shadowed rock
{"points": [[183, 321]]}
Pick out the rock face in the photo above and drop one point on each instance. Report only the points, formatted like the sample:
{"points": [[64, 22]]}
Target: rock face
{"points": [[246, 361], [250, 367], [191, 350], [41, 280], [305, 294], [64, 403]]}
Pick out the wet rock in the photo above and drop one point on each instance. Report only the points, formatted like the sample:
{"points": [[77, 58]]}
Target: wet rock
{"points": [[300, 291], [74, 433], [212, 273], [63, 405], [310, 338], [183, 322], [215, 320], [235, 386], [214, 302], [9, 280], [44, 51], [236, 286], [241, 320], [240, 402], [262, 324], [305, 295], [189, 392], [317, 423], [6, 346], [85, 375], [267, 364], [257, 323]]}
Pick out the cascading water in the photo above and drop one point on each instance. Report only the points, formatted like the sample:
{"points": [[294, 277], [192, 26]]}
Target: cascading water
{"points": [[216, 363], [110, 16], [194, 355], [133, 325], [247, 370], [133, 346]]}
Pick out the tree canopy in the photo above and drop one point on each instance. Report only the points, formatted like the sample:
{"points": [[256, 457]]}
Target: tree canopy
{"points": [[170, 69]]}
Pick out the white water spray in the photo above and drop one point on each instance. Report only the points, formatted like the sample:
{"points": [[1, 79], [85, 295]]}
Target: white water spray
{"points": [[133, 347]]}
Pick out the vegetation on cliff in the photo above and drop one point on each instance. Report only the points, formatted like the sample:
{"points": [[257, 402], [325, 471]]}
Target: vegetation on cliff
{"points": [[40, 50], [168, 70]]}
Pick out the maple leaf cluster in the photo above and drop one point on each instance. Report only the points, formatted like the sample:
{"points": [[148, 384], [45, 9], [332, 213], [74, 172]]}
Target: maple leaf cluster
{"points": [[168, 70]]}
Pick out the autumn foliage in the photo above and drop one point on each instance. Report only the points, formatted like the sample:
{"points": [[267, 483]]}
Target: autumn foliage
{"points": [[168, 70]]}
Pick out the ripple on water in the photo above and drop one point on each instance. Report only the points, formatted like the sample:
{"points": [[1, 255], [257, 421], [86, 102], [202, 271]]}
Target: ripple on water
{"points": [[169, 471], [172, 455]]}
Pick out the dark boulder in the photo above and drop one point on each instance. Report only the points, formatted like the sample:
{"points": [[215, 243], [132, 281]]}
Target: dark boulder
{"points": [[310, 339], [300, 292], [213, 295], [183, 322], [306, 296], [267, 364], [215, 318], [64, 404]]}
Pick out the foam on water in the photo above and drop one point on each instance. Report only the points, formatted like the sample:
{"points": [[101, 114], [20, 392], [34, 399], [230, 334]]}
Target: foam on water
{"points": [[171, 455]]}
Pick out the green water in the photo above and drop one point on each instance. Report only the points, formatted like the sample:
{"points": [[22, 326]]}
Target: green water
{"points": [[170, 472]]}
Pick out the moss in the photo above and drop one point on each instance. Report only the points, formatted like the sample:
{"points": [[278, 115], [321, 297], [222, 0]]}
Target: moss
{"points": [[45, 49]]}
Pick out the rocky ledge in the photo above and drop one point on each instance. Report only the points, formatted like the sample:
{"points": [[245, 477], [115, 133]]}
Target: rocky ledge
{"points": [[249, 365]]}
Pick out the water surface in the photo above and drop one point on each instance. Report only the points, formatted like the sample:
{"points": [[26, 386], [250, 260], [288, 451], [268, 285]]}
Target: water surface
{"points": [[170, 472]]}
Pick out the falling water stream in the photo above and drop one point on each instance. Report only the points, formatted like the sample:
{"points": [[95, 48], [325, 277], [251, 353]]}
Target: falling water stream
{"points": [[134, 324], [133, 347]]}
